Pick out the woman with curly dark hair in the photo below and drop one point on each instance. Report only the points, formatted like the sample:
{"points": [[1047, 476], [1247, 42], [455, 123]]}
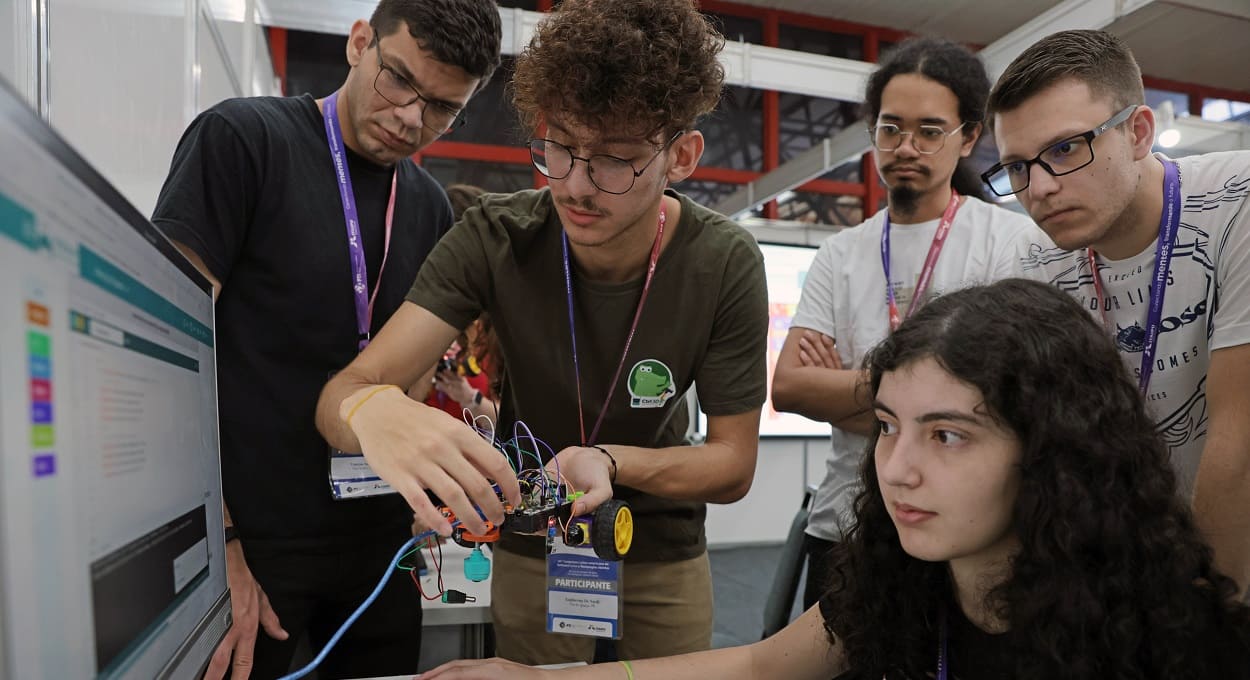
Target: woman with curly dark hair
{"points": [[1018, 519]]}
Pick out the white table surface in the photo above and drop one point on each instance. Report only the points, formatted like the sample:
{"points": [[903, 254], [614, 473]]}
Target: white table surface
{"points": [[409, 677], [438, 613]]}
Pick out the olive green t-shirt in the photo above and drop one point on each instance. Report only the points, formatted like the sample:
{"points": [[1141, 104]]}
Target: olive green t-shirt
{"points": [[705, 320]]}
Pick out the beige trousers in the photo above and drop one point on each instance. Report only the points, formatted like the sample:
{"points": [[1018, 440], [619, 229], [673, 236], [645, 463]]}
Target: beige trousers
{"points": [[667, 609]]}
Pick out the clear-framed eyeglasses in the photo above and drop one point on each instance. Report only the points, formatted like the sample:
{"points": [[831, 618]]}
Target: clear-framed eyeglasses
{"points": [[1061, 158], [609, 174], [927, 139], [397, 91]]}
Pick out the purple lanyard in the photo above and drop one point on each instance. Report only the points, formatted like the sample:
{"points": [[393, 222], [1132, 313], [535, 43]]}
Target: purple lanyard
{"points": [[941, 661], [930, 261], [629, 339], [1169, 224], [360, 275]]}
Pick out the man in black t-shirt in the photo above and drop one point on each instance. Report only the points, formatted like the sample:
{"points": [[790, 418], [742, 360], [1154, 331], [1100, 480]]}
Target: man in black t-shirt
{"points": [[311, 221], [611, 295]]}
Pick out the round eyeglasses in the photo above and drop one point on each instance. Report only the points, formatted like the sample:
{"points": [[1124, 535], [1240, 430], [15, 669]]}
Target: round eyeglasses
{"points": [[1061, 158], [927, 139], [609, 174]]}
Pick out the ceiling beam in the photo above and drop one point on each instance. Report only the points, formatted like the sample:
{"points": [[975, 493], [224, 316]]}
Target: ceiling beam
{"points": [[814, 75], [1067, 15], [851, 142], [746, 64], [770, 68]]}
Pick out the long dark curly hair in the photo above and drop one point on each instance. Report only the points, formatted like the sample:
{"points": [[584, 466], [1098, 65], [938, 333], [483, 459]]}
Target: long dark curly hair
{"points": [[634, 67], [1112, 579], [940, 60]]}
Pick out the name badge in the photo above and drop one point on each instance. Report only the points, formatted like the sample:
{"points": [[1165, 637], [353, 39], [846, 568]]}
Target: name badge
{"points": [[583, 590], [350, 474], [351, 477]]}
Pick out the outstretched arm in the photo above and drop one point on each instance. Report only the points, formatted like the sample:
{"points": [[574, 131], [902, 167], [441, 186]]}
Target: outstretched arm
{"points": [[410, 445], [801, 651]]}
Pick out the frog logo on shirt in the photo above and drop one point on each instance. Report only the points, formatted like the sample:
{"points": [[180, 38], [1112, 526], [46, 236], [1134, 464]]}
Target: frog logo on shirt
{"points": [[650, 384]]}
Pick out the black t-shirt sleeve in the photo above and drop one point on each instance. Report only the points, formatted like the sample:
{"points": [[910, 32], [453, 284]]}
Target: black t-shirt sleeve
{"points": [[210, 194]]}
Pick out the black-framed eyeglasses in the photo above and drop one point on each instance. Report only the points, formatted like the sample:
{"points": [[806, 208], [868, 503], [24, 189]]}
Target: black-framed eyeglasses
{"points": [[1059, 159], [927, 139], [609, 174], [397, 91]]}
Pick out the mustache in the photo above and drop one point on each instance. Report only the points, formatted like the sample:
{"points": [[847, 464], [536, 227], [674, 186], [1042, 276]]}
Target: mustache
{"points": [[584, 206], [897, 165]]}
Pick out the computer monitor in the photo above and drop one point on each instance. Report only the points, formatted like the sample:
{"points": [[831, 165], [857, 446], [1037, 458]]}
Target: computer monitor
{"points": [[111, 540], [786, 268]]}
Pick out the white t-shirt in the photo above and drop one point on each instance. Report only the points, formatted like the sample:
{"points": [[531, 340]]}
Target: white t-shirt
{"points": [[844, 296], [1206, 305]]}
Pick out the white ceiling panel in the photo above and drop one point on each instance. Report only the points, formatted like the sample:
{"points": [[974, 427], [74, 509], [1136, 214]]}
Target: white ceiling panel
{"points": [[1192, 44], [971, 21], [1205, 42]]}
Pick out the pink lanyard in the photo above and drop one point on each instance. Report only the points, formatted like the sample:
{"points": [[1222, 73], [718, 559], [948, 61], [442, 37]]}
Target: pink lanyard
{"points": [[930, 261], [629, 339]]}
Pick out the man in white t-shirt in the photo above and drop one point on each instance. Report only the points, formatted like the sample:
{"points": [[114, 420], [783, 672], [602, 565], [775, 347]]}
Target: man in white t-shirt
{"points": [[1158, 251], [927, 104]]}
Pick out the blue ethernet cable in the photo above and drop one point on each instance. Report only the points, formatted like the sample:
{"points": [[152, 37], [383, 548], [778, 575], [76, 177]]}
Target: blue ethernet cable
{"points": [[325, 651]]}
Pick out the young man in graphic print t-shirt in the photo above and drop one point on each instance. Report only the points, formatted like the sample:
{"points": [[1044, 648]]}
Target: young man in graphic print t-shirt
{"points": [[1139, 228]]}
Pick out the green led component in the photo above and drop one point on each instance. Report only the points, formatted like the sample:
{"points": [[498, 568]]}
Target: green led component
{"points": [[576, 495]]}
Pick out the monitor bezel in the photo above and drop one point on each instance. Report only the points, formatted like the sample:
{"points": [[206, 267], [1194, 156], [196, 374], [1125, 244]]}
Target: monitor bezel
{"points": [[28, 122]]}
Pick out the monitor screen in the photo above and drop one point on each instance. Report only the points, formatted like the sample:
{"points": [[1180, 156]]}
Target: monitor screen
{"points": [[786, 266], [111, 542]]}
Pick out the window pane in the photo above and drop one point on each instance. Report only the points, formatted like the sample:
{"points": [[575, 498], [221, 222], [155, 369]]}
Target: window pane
{"points": [[850, 171], [734, 131], [802, 206], [820, 42], [1224, 109], [705, 192], [807, 121], [738, 29], [493, 177], [1180, 101]]}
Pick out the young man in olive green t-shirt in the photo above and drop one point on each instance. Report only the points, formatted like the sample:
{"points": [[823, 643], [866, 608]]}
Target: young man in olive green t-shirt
{"points": [[611, 296]]}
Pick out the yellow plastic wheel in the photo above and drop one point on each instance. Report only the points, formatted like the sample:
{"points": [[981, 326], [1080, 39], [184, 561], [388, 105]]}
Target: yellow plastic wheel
{"points": [[613, 530], [624, 529]]}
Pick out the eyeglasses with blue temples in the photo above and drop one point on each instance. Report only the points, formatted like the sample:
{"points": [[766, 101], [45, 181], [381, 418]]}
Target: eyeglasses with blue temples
{"points": [[1061, 158]]}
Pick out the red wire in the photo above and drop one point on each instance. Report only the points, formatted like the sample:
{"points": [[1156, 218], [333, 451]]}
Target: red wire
{"points": [[438, 569], [438, 563]]}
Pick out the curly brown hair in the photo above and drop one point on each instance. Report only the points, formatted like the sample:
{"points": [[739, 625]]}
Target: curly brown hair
{"points": [[641, 67]]}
